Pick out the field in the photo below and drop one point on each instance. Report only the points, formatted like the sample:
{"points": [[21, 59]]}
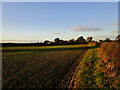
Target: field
{"points": [[46, 48], [40, 66], [62, 66]]}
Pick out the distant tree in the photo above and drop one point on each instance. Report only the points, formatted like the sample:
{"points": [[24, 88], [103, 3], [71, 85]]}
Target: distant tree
{"points": [[71, 41], [46, 42], [57, 40], [107, 40], [66, 42], [117, 38], [101, 41], [89, 39], [61, 42], [80, 40]]}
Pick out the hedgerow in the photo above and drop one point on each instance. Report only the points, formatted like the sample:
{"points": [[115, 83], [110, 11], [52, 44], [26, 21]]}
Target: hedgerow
{"points": [[94, 71]]}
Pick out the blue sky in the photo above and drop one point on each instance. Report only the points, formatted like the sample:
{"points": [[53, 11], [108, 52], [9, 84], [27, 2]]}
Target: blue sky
{"points": [[36, 22]]}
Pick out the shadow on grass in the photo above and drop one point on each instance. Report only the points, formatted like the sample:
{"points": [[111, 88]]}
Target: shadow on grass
{"points": [[49, 49]]}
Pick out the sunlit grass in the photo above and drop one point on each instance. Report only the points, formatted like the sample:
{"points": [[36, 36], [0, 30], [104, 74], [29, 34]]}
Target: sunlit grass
{"points": [[44, 47], [47, 48]]}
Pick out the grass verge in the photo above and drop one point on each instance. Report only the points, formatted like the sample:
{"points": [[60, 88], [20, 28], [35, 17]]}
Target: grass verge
{"points": [[92, 72]]}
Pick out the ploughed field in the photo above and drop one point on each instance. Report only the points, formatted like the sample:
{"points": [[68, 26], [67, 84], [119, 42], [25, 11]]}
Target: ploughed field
{"points": [[38, 66]]}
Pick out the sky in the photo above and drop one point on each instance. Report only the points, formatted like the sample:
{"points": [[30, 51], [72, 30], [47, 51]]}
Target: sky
{"points": [[40, 21]]}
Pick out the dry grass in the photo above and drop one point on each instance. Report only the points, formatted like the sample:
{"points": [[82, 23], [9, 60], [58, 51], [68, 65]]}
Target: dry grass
{"points": [[109, 53]]}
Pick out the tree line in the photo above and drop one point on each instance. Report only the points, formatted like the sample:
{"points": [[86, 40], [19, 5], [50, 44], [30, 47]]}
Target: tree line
{"points": [[79, 40], [57, 41]]}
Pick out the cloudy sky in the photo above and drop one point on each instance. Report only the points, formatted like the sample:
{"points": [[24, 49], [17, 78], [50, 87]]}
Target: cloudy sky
{"points": [[36, 22]]}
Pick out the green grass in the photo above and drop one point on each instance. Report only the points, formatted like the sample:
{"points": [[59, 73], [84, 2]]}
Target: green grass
{"points": [[85, 77]]}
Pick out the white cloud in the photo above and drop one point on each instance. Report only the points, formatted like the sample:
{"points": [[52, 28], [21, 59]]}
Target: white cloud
{"points": [[59, 33], [115, 32], [84, 29], [56, 33], [103, 37], [116, 24]]}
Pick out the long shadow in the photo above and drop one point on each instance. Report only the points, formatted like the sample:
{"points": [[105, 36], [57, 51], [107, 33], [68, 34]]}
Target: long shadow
{"points": [[50, 49]]}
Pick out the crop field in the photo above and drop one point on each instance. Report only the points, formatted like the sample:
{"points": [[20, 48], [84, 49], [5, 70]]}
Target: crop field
{"points": [[26, 67], [45, 48]]}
